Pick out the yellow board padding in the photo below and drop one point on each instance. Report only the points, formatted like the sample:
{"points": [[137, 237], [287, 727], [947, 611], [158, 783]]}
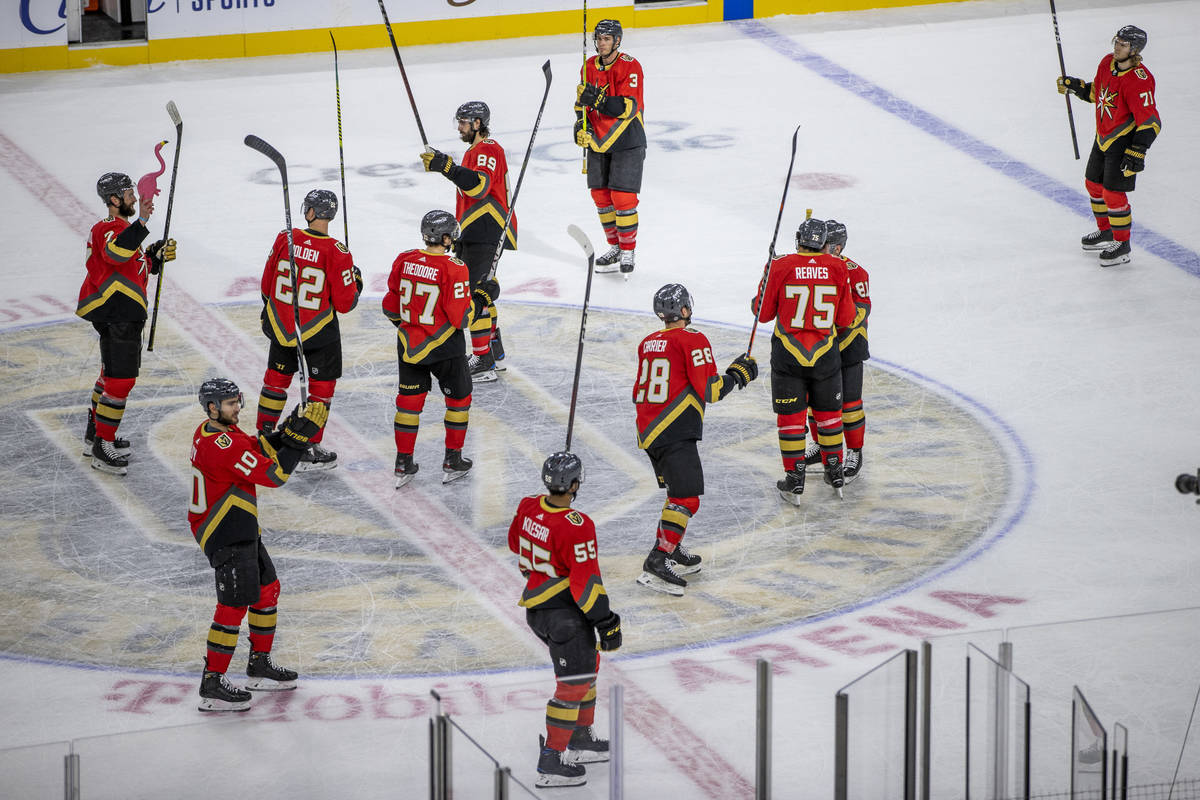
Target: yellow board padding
{"points": [[773, 8]]}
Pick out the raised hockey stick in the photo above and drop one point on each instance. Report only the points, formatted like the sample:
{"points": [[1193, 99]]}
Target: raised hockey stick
{"points": [[255, 143], [584, 111], [512, 204], [407, 87], [771, 250], [337, 89], [578, 235], [178, 120], [1062, 66]]}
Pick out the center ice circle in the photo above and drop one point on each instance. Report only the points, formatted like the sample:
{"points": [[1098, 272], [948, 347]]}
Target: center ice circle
{"points": [[104, 571]]}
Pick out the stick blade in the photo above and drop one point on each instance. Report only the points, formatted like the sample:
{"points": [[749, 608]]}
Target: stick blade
{"points": [[546, 71], [255, 143], [578, 235], [174, 112]]}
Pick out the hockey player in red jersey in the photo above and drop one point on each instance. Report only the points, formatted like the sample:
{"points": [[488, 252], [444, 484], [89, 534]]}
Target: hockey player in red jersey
{"points": [[113, 299], [330, 284], [852, 346], [608, 114], [567, 608], [429, 301], [808, 294], [481, 204], [677, 377], [1127, 123], [227, 465]]}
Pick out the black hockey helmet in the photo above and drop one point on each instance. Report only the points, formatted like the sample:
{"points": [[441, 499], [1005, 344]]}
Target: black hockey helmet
{"points": [[474, 109], [671, 300], [561, 470], [835, 233], [1135, 36], [437, 224], [611, 27], [111, 183], [811, 234], [214, 390], [322, 201]]}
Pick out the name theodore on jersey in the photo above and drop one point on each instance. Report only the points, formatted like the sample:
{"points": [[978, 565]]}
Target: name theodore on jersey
{"points": [[539, 532], [414, 269]]}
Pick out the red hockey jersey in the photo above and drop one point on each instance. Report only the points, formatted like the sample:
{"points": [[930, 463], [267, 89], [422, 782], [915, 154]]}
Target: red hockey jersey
{"points": [[556, 550], [809, 293], [481, 208], [852, 341], [1124, 102], [676, 378], [226, 466], [117, 270], [429, 301], [324, 270], [616, 121]]}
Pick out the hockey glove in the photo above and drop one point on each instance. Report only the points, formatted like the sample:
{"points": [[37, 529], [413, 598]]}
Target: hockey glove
{"points": [[487, 291], [609, 631], [160, 253], [743, 370], [1076, 86], [302, 424], [437, 161], [358, 281], [592, 95], [582, 137], [1134, 160]]}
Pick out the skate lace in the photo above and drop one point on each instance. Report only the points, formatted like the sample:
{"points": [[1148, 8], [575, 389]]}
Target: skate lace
{"points": [[109, 449]]}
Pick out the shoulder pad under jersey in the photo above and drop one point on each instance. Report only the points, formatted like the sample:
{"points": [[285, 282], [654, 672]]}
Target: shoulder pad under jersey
{"points": [[574, 517], [1141, 73], [342, 247], [626, 57]]}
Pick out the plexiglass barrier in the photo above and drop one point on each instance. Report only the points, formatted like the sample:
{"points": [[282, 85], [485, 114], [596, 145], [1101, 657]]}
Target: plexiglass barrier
{"points": [[34, 771], [997, 722], [876, 732]]}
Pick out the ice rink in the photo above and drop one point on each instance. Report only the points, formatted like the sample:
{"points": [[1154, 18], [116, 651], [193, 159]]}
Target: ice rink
{"points": [[1027, 411]]}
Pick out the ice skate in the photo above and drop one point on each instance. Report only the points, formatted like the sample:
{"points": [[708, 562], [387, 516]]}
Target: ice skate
{"points": [[454, 466], [316, 458], [586, 747], [106, 458], [853, 464], [608, 261], [1116, 253], [89, 439], [626, 263], [553, 770], [812, 454], [834, 474], [1097, 240], [792, 485], [686, 562], [264, 675], [497, 348], [218, 694], [405, 468], [660, 575], [483, 368]]}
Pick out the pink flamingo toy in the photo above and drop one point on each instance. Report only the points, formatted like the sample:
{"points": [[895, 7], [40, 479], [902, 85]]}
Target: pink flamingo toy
{"points": [[147, 185]]}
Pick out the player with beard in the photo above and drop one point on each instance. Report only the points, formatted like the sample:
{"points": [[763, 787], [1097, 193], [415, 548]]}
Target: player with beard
{"points": [[481, 204], [1127, 123], [113, 299], [608, 125], [227, 465]]}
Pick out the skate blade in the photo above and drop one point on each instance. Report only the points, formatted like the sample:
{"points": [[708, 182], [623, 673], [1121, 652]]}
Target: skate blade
{"points": [[268, 685], [312, 466], [851, 478], [111, 470], [1115, 262], [585, 756], [207, 704], [454, 475], [680, 569], [790, 497], [606, 269], [487, 376], [545, 780], [659, 585], [402, 480], [838, 489]]}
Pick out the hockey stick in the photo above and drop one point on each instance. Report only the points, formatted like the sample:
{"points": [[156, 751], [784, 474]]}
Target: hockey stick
{"points": [[178, 120], [404, 75], [255, 143], [762, 285], [584, 110], [337, 88], [512, 204], [1062, 66], [578, 235]]}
